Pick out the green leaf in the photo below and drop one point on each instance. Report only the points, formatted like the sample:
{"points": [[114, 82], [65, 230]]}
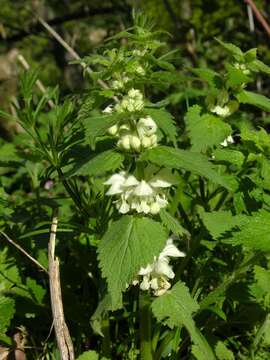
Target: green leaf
{"points": [[254, 232], [172, 224], [222, 352], [128, 244], [7, 310], [260, 66], [205, 131], [109, 160], [97, 126], [88, 355], [218, 222], [164, 121], [258, 100], [235, 77], [208, 75], [229, 156], [176, 308], [189, 161], [232, 49], [36, 291]]}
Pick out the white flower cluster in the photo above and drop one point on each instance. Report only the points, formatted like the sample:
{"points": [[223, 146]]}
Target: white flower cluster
{"points": [[133, 136], [132, 102], [120, 83], [142, 137], [222, 111], [140, 196], [156, 276], [227, 141], [242, 67]]}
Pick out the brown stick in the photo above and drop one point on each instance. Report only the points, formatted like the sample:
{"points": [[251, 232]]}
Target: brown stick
{"points": [[23, 251], [259, 16], [72, 52], [63, 338]]}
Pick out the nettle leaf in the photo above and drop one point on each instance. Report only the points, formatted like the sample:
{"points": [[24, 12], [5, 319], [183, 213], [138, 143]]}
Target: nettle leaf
{"points": [[254, 233], [260, 138], [219, 222], [258, 65], [205, 131], [172, 224], [229, 156], [210, 76], [258, 100], [129, 243], [109, 160], [235, 77], [7, 310], [189, 161], [164, 121], [176, 308], [88, 355], [97, 125], [222, 352], [36, 291], [232, 49]]}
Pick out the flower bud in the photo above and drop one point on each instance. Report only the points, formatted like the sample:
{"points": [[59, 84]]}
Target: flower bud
{"points": [[135, 143], [154, 208], [153, 140], [146, 142], [125, 142], [113, 130]]}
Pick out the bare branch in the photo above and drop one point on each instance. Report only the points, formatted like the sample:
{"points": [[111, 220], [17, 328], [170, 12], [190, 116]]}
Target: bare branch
{"points": [[23, 251], [61, 330], [259, 16]]}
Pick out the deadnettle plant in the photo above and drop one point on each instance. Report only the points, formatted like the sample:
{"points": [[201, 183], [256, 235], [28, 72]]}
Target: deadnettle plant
{"points": [[156, 276]]}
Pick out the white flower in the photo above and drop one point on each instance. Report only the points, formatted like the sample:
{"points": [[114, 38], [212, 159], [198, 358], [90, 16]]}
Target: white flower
{"points": [[227, 141], [146, 126], [113, 130], [242, 67], [108, 109], [221, 111], [140, 70], [142, 196], [132, 102], [156, 276]]}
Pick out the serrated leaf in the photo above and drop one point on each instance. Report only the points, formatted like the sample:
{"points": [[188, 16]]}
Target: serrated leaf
{"points": [[172, 224], [235, 77], [254, 233], [88, 355], [164, 121], [212, 77], [231, 48], [231, 156], [205, 131], [7, 310], [218, 222], [36, 291], [128, 244], [176, 308], [258, 100], [260, 66], [189, 161], [109, 160], [222, 352]]}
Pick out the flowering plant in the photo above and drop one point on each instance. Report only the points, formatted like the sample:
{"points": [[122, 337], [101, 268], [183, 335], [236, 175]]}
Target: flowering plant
{"points": [[168, 201]]}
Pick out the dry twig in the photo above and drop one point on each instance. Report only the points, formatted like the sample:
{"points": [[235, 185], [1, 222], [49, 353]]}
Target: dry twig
{"points": [[259, 16], [23, 251], [61, 330]]}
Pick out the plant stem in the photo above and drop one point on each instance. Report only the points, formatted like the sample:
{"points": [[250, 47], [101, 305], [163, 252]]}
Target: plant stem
{"points": [[145, 328]]}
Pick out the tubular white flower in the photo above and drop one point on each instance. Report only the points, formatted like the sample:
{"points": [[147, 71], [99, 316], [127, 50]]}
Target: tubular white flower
{"points": [[227, 141], [141, 196], [221, 111], [156, 276], [113, 130], [108, 109], [146, 126]]}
